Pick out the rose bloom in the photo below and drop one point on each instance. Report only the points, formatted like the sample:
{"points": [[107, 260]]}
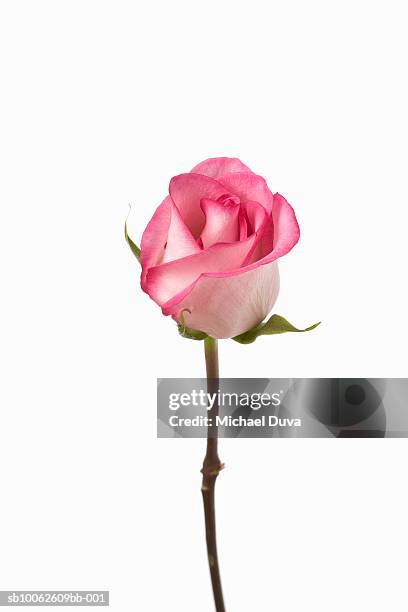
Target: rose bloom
{"points": [[210, 250]]}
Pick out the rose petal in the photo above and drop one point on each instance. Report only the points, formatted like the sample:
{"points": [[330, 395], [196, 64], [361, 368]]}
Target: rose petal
{"points": [[218, 166], [259, 222], [249, 187], [233, 304], [155, 237], [180, 241], [221, 222], [243, 224], [277, 235], [286, 232], [255, 214], [187, 191], [171, 279], [286, 235]]}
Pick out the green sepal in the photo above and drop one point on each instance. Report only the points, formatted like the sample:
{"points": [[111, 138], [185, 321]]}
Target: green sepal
{"points": [[187, 332], [133, 247], [275, 325]]}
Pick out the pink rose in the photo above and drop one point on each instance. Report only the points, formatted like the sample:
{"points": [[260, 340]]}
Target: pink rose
{"points": [[210, 249]]}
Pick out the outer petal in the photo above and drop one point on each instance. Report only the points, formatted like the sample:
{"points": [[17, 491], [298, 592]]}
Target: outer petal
{"points": [[155, 237], [226, 307], [249, 187], [286, 232], [187, 190], [171, 279], [218, 166], [221, 222]]}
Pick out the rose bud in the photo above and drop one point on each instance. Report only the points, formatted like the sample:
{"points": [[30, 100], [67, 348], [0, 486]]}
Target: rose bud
{"points": [[209, 253]]}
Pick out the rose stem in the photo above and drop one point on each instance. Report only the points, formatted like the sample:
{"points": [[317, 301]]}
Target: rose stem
{"points": [[210, 470]]}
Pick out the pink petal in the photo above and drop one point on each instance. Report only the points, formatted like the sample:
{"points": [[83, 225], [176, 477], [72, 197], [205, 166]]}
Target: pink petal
{"points": [[218, 166], [255, 214], [233, 304], [277, 235], [260, 223], [187, 191], [221, 222], [248, 187], [243, 224], [171, 279], [180, 241], [155, 237], [286, 232], [285, 235]]}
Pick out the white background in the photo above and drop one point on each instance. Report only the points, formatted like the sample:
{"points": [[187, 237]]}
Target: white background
{"points": [[102, 102]]}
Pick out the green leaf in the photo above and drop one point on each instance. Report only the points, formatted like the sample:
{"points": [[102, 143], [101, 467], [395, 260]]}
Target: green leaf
{"points": [[275, 325], [133, 247], [187, 332]]}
